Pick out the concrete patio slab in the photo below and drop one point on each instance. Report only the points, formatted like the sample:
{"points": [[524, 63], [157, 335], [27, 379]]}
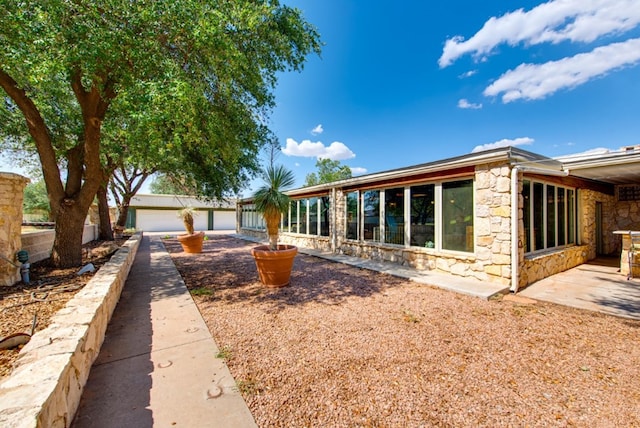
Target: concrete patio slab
{"points": [[595, 286]]}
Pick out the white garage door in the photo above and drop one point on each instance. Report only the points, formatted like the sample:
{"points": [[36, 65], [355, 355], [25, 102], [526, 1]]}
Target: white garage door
{"points": [[168, 220], [224, 220]]}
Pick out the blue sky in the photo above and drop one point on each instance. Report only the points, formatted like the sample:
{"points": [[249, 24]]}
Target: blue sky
{"points": [[404, 83]]}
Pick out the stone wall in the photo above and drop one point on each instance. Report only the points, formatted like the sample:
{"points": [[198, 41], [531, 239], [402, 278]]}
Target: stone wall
{"points": [[588, 200], [45, 387], [541, 266], [11, 197]]}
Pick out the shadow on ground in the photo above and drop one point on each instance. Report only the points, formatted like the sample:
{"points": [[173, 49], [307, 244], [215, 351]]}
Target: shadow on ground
{"points": [[226, 270]]}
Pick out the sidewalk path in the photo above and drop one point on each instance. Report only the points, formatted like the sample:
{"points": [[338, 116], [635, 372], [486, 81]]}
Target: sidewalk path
{"points": [[158, 366]]}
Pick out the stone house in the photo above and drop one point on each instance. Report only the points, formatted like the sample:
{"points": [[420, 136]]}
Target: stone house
{"points": [[507, 215]]}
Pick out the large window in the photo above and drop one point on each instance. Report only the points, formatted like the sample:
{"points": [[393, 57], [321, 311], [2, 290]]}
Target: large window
{"points": [[394, 216], [293, 215], [324, 216], [302, 216], [250, 218], [371, 216], [549, 215], [457, 214], [434, 212], [423, 216], [352, 213], [309, 216]]}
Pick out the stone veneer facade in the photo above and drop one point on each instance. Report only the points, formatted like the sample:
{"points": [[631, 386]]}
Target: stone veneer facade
{"points": [[491, 259], [11, 197]]}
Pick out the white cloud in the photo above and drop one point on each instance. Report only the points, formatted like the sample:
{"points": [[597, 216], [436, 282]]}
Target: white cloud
{"points": [[536, 81], [552, 22], [317, 130], [308, 149], [468, 74], [358, 170], [463, 103], [506, 142]]}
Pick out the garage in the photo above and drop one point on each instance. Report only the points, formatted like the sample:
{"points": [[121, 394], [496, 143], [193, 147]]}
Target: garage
{"points": [[149, 220], [160, 213], [224, 220]]}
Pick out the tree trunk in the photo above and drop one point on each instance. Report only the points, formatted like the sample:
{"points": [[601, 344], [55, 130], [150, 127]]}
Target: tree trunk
{"points": [[105, 231], [123, 211], [67, 245]]}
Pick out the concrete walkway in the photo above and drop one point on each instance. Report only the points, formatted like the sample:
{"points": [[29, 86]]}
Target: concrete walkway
{"points": [[158, 365]]}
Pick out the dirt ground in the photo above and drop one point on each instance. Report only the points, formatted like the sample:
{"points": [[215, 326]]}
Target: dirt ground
{"points": [[346, 347], [48, 291]]}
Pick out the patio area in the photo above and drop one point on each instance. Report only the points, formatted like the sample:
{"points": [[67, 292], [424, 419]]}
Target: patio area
{"points": [[596, 286]]}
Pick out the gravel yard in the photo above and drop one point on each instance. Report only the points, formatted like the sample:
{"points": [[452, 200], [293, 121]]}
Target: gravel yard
{"points": [[347, 347]]}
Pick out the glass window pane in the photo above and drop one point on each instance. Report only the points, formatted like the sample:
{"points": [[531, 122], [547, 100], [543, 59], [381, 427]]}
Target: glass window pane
{"points": [[371, 204], [294, 217], [457, 215], [352, 215], [423, 216], [302, 216], [313, 216], [324, 216], [538, 216], [551, 216], [394, 216], [561, 216], [285, 220], [526, 214]]}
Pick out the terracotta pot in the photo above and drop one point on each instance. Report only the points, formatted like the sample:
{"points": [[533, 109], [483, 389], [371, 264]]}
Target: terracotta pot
{"points": [[191, 243], [274, 267]]}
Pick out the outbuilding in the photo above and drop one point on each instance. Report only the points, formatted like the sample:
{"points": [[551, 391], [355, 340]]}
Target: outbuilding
{"points": [[160, 213]]}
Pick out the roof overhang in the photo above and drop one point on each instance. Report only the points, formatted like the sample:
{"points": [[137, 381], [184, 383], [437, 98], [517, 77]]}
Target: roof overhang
{"points": [[613, 167]]}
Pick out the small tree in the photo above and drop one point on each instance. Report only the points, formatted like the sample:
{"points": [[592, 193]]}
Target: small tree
{"points": [[271, 201], [328, 171], [36, 200]]}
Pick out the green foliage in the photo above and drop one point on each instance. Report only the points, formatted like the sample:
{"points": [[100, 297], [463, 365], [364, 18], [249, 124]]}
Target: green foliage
{"points": [[225, 353], [164, 184], [36, 200], [183, 87], [328, 171], [270, 199], [201, 291]]}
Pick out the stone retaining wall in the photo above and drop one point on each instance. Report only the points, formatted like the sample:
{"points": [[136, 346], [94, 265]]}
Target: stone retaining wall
{"points": [[45, 388]]}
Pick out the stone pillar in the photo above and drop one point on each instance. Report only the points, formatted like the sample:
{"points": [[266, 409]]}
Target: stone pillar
{"points": [[11, 197]]}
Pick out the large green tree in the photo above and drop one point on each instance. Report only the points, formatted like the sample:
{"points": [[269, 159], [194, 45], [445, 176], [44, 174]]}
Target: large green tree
{"points": [[328, 171], [202, 70]]}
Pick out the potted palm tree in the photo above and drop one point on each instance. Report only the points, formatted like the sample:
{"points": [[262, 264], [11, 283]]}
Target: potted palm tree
{"points": [[191, 241], [274, 262]]}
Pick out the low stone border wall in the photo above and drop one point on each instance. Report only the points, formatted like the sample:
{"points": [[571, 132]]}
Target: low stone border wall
{"points": [[46, 385]]}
